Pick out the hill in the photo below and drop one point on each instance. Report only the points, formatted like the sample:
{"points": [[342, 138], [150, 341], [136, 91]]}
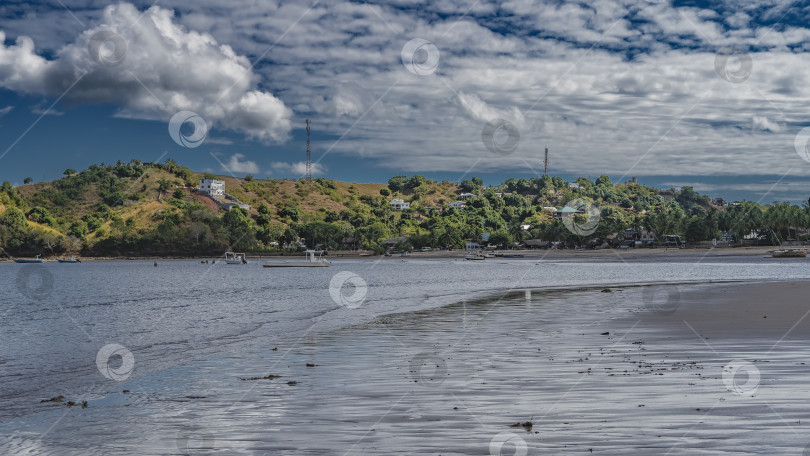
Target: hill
{"points": [[141, 208]]}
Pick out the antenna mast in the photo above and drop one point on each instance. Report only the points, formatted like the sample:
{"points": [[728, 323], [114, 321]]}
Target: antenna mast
{"points": [[545, 163], [309, 158]]}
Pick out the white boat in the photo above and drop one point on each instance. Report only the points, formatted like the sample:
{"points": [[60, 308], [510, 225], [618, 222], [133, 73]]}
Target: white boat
{"points": [[235, 258], [311, 261], [474, 256]]}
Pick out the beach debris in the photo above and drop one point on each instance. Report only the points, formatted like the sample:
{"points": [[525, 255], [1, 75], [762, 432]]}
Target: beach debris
{"points": [[311, 365], [606, 333], [275, 349], [74, 404], [292, 383], [527, 425], [125, 391], [58, 398], [266, 377], [607, 290]]}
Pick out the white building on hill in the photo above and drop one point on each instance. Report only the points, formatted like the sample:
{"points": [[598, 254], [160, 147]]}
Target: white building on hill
{"points": [[213, 187], [399, 204]]}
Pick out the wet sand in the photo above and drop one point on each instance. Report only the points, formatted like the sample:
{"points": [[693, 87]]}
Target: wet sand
{"points": [[675, 369]]}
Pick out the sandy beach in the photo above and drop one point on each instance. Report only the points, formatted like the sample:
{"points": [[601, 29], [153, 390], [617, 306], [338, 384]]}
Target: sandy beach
{"points": [[679, 368]]}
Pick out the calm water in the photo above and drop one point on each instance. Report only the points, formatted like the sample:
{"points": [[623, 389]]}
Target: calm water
{"points": [[186, 334]]}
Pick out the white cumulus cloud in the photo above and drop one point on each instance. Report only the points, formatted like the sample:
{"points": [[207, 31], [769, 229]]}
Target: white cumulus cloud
{"points": [[238, 164], [297, 168], [165, 68]]}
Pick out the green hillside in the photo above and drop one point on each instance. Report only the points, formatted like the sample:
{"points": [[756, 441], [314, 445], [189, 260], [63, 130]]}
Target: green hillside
{"points": [[141, 208]]}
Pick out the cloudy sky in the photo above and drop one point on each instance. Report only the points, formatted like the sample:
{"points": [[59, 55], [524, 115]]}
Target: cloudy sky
{"points": [[709, 94]]}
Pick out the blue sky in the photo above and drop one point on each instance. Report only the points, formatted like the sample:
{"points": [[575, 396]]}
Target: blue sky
{"points": [[708, 94]]}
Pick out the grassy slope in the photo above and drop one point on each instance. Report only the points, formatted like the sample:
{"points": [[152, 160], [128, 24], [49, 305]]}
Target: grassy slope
{"points": [[309, 199]]}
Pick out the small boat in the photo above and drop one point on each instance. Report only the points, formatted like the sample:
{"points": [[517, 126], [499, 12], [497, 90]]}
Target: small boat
{"points": [[235, 258], [36, 259], [365, 254], [311, 261], [474, 257], [789, 253], [72, 259], [405, 254], [489, 255], [388, 254]]}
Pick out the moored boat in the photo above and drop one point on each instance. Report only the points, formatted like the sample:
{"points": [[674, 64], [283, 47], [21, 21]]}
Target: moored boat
{"points": [[474, 257], [72, 259], [36, 259], [311, 261], [235, 258], [789, 253]]}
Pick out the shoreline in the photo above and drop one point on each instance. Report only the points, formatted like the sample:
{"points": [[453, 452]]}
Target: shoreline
{"points": [[527, 254]]}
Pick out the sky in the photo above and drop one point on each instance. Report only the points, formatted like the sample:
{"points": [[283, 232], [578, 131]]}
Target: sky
{"points": [[712, 95]]}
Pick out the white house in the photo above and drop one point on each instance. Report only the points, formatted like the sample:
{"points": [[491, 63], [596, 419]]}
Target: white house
{"points": [[472, 245], [212, 186], [457, 204], [399, 204], [466, 195]]}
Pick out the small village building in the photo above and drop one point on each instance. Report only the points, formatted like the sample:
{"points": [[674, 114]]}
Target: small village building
{"points": [[567, 210], [472, 246], [399, 204], [536, 243], [464, 196], [457, 204], [213, 187], [393, 242]]}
